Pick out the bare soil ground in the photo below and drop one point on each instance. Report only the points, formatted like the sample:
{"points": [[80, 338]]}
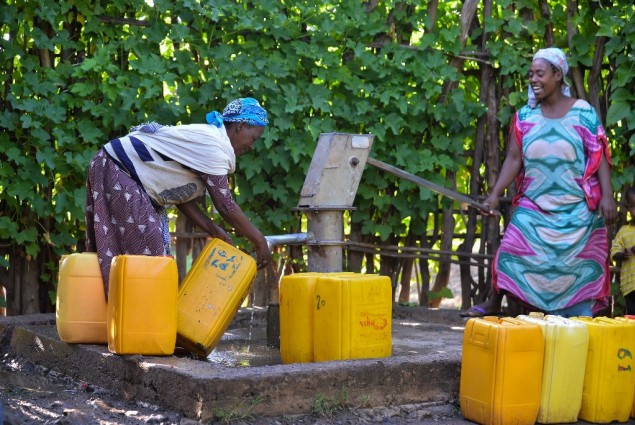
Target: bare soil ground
{"points": [[30, 394]]}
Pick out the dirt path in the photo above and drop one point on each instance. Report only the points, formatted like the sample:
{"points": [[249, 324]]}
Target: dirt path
{"points": [[30, 394]]}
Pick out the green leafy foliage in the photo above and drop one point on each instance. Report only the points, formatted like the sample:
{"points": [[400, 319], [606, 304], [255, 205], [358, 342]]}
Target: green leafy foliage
{"points": [[442, 293]]}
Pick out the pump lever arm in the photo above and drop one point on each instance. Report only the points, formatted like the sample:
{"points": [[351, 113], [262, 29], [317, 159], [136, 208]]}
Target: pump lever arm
{"points": [[428, 184]]}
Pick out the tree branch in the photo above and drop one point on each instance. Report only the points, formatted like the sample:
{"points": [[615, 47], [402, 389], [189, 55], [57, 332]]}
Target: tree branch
{"points": [[123, 21]]}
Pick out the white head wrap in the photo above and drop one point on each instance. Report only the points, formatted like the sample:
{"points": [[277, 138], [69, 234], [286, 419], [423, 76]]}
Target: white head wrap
{"points": [[557, 58]]}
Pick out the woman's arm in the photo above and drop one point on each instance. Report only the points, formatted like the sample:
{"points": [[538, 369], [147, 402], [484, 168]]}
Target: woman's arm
{"points": [[607, 207], [218, 188], [509, 171], [194, 213]]}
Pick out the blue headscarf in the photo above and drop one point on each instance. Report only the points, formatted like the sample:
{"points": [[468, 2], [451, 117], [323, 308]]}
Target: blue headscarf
{"points": [[245, 109]]}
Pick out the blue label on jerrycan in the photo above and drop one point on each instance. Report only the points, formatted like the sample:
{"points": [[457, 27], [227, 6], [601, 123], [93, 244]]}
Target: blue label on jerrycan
{"points": [[223, 260]]}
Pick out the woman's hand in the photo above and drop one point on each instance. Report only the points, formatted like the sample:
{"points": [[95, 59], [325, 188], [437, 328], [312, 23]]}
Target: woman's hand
{"points": [[608, 209], [216, 231], [263, 253], [194, 213], [234, 215], [509, 171], [491, 203]]}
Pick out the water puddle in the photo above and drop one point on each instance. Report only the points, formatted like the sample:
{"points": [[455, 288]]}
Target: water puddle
{"points": [[245, 346], [237, 355]]}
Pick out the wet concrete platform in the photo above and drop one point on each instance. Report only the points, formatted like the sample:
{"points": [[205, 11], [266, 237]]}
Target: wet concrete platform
{"points": [[244, 372]]}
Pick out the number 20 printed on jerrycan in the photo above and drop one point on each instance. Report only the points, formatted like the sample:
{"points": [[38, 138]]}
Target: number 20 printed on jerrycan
{"points": [[211, 294], [297, 292], [297, 314]]}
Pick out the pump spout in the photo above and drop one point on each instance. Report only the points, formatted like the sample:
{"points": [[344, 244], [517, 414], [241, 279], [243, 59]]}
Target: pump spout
{"points": [[289, 239]]}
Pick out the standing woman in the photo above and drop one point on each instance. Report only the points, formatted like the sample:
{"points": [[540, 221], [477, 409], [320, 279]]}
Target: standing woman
{"points": [[133, 178], [554, 254]]}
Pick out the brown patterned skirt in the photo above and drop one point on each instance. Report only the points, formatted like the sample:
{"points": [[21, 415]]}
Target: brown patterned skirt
{"points": [[120, 218]]}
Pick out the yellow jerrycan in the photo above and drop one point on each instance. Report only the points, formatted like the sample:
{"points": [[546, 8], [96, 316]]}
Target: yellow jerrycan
{"points": [[211, 294], [566, 344], [80, 307], [629, 317], [297, 293], [297, 311], [609, 380], [353, 317], [142, 305], [501, 371]]}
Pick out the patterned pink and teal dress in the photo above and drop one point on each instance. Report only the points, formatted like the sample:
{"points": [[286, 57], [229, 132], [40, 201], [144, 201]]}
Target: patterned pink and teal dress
{"points": [[554, 253]]}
